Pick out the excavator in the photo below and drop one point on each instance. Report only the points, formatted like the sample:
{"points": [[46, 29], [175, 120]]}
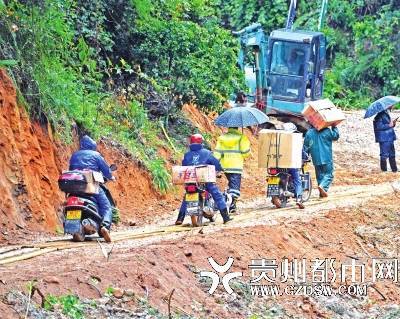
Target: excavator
{"points": [[285, 70]]}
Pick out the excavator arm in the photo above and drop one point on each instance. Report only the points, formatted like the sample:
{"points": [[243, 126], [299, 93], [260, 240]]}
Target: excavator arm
{"points": [[254, 40], [292, 14], [322, 14]]}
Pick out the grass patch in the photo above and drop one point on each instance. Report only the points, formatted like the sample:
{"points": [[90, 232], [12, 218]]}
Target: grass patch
{"points": [[70, 305]]}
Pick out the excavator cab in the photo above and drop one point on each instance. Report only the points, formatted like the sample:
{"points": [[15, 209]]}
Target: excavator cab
{"points": [[295, 69], [285, 70]]}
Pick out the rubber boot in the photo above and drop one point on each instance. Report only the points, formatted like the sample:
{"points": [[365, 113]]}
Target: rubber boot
{"points": [[181, 217], [393, 164], [322, 192], [383, 165], [232, 208], [299, 202], [105, 233], [225, 216]]}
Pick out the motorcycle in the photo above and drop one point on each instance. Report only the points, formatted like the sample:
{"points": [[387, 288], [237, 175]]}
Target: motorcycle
{"points": [[81, 213], [280, 185], [200, 204]]}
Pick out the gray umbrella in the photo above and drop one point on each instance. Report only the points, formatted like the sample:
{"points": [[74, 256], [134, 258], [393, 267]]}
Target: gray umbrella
{"points": [[241, 117]]}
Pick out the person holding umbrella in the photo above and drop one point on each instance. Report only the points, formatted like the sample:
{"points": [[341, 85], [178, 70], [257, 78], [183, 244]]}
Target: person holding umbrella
{"points": [[384, 130], [385, 136], [233, 147]]}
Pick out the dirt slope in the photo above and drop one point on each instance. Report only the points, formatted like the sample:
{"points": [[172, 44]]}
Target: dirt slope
{"points": [[29, 167], [31, 161]]}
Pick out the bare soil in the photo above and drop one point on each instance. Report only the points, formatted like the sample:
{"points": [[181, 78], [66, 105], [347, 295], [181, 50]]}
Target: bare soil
{"points": [[153, 269], [359, 220]]}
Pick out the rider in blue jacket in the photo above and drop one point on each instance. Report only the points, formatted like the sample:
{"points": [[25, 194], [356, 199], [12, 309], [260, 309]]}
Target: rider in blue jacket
{"points": [[88, 158], [295, 173], [385, 136], [201, 156]]}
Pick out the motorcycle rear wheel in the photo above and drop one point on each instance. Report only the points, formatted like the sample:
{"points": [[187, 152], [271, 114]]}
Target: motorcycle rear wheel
{"points": [[307, 193], [197, 220], [276, 201]]}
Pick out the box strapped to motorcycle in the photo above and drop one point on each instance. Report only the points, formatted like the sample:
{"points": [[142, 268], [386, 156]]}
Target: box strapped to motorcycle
{"points": [[193, 174], [279, 149], [80, 182]]}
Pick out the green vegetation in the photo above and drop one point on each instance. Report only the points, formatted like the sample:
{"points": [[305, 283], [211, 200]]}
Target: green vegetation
{"points": [[123, 68], [363, 42], [70, 305], [104, 64], [109, 291]]}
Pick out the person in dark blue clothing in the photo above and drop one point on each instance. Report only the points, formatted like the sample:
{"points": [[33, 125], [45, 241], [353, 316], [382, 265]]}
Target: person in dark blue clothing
{"points": [[201, 156], [295, 173], [88, 158], [385, 136]]}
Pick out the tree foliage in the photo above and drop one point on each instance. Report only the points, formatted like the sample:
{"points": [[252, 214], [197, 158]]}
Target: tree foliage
{"points": [[118, 67], [105, 64], [363, 41]]}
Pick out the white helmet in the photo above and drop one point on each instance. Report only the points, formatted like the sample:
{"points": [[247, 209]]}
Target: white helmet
{"points": [[289, 127]]}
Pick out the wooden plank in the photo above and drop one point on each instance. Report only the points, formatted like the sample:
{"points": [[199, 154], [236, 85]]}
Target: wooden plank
{"points": [[27, 256]]}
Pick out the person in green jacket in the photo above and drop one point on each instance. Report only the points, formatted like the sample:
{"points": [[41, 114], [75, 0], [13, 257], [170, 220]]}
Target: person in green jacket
{"points": [[319, 144]]}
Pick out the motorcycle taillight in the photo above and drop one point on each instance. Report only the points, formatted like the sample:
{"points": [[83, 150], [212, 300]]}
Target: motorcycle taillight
{"points": [[75, 201], [272, 171], [191, 188]]}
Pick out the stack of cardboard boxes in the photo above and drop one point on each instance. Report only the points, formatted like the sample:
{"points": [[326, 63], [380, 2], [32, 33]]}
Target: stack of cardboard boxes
{"points": [[322, 114], [279, 149], [283, 149]]}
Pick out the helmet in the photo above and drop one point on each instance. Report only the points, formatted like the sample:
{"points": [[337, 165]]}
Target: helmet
{"points": [[289, 127], [196, 139]]}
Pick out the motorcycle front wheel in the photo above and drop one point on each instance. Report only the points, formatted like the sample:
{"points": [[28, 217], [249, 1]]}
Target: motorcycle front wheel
{"points": [[279, 201], [78, 237]]}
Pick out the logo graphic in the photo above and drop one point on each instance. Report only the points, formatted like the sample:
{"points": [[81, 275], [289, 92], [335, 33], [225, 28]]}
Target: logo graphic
{"points": [[196, 159], [220, 269]]}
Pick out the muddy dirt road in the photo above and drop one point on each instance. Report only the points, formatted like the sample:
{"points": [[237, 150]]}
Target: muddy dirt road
{"points": [[257, 212], [153, 260]]}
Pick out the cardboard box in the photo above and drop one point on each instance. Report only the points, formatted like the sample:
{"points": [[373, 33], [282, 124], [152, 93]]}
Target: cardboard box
{"points": [[322, 114], [80, 182], [193, 174], [279, 148]]}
